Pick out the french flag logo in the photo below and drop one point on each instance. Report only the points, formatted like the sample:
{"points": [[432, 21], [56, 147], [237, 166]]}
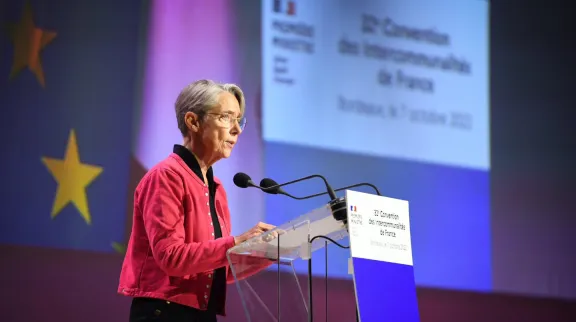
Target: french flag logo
{"points": [[287, 7], [353, 208]]}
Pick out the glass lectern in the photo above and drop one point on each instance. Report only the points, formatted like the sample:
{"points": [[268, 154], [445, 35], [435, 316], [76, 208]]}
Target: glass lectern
{"points": [[263, 268]]}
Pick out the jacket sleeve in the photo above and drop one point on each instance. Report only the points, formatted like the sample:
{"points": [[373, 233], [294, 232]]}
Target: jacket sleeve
{"points": [[161, 202]]}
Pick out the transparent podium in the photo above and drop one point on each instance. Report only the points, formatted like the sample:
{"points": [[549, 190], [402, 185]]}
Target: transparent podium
{"points": [[263, 267]]}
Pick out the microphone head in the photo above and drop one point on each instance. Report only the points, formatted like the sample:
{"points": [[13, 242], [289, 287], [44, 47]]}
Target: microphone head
{"points": [[243, 180], [266, 183]]}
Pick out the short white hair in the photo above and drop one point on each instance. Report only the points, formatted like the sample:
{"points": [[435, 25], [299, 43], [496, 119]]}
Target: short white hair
{"points": [[201, 96]]}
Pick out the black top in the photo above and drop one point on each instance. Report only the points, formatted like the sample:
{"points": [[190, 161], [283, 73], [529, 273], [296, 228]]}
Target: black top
{"points": [[216, 300]]}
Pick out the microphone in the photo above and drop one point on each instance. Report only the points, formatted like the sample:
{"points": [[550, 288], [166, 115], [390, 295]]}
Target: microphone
{"points": [[267, 185], [270, 186], [242, 180]]}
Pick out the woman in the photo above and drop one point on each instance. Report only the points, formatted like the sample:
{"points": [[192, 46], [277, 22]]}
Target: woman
{"points": [[175, 265]]}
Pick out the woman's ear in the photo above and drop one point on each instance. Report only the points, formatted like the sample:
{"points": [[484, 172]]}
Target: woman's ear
{"points": [[192, 121]]}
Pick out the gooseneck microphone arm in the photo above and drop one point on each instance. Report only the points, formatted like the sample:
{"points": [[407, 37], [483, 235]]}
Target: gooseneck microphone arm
{"points": [[329, 189], [363, 184], [268, 185]]}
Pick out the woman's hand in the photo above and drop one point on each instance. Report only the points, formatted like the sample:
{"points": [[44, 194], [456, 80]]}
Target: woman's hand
{"points": [[259, 229]]}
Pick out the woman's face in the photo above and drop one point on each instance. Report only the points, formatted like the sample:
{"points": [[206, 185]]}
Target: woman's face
{"points": [[219, 130]]}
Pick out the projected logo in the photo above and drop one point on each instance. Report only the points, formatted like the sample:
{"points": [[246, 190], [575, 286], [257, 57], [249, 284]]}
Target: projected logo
{"points": [[287, 7]]}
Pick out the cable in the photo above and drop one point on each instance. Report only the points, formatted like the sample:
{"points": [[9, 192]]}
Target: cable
{"points": [[330, 239]]}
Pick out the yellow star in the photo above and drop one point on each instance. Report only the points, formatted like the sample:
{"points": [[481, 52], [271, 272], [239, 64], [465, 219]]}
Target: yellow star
{"points": [[28, 41], [73, 177]]}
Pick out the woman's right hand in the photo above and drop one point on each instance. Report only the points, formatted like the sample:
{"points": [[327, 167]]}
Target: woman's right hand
{"points": [[259, 229]]}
